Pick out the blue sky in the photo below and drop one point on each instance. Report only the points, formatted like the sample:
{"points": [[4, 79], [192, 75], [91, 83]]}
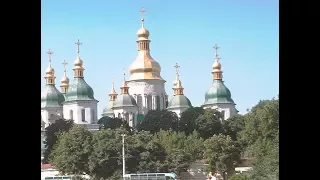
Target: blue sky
{"points": [[180, 31]]}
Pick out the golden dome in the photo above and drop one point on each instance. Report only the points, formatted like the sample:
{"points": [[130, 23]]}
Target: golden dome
{"points": [[216, 65], [64, 80], [49, 70], [145, 67], [78, 62]]}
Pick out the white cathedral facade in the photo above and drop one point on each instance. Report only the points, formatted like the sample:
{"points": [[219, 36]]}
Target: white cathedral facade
{"points": [[143, 91]]}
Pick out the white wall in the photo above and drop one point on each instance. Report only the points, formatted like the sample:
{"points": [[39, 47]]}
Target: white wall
{"points": [[90, 108], [147, 87], [229, 109]]}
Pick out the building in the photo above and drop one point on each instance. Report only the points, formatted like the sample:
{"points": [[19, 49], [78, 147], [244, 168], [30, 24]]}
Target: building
{"points": [[218, 96]]}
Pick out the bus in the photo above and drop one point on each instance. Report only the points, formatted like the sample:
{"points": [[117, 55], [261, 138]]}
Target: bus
{"points": [[151, 176], [58, 177]]}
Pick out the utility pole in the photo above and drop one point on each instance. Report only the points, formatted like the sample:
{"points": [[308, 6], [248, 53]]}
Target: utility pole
{"points": [[123, 158]]}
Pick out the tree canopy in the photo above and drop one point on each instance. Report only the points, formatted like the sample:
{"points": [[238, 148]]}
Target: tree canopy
{"points": [[60, 125], [113, 123], [222, 153], [209, 123], [261, 136], [188, 119], [156, 120]]}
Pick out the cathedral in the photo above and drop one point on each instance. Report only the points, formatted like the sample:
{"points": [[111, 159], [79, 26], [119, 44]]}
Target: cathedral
{"points": [[144, 90]]}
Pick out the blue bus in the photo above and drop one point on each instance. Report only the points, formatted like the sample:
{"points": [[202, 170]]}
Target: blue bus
{"points": [[58, 177], [151, 176]]}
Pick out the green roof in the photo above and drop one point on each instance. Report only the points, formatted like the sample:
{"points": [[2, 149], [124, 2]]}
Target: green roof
{"points": [[108, 108], [125, 100], [218, 93], [179, 101], [51, 97], [79, 90]]}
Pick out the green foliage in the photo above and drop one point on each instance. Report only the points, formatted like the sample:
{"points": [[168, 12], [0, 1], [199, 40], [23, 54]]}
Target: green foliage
{"points": [[144, 153], [104, 158], [233, 126], [239, 177], [77, 177], [221, 153], [72, 150], [113, 123], [60, 125], [188, 119], [209, 123], [156, 120], [261, 135], [180, 149]]}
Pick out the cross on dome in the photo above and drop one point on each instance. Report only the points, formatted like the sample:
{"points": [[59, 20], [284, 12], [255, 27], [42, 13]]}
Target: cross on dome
{"points": [[78, 43]]}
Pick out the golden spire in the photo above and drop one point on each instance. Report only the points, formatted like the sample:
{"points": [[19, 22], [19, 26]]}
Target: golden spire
{"points": [[124, 88], [144, 67], [217, 73], [50, 71], [177, 89], [78, 63], [65, 80], [113, 94]]}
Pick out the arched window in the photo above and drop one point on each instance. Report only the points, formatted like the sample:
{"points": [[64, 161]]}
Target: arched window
{"points": [[119, 115], [83, 115], [92, 115], [133, 120], [71, 115], [223, 114]]}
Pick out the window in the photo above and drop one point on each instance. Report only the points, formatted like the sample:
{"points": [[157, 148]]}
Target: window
{"points": [[83, 115], [119, 115], [92, 115], [158, 102], [71, 115]]}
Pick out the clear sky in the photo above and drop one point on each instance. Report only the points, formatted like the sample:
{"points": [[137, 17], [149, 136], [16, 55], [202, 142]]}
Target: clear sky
{"points": [[180, 31]]}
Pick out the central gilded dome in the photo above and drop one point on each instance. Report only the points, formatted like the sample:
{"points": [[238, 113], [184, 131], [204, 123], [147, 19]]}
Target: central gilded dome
{"points": [[144, 67]]}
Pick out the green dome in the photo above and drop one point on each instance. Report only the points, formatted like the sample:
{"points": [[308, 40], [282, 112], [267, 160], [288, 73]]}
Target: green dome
{"points": [[108, 108], [125, 100], [79, 90], [51, 97], [179, 101], [218, 93]]}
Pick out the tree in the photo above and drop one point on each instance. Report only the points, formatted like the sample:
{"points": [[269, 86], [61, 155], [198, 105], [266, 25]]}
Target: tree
{"points": [[144, 154], [233, 126], [156, 120], [188, 119], [113, 123], [72, 150], [239, 177], [209, 123], [261, 136], [221, 153], [106, 153], [180, 149], [60, 125]]}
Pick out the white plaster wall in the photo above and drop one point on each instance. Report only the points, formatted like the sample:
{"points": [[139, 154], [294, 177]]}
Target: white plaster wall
{"points": [[46, 113], [148, 87], [132, 119], [90, 108], [229, 109]]}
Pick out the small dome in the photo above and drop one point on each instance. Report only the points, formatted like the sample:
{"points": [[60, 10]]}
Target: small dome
{"points": [[218, 93], [79, 90], [179, 101], [216, 65], [107, 110], [49, 70], [51, 97], [78, 62], [143, 33], [125, 100], [64, 80]]}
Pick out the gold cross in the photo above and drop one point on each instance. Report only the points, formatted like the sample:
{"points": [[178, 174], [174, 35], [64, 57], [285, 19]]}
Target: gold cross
{"points": [[216, 47], [78, 43], [64, 65], [142, 11], [50, 53], [177, 68]]}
